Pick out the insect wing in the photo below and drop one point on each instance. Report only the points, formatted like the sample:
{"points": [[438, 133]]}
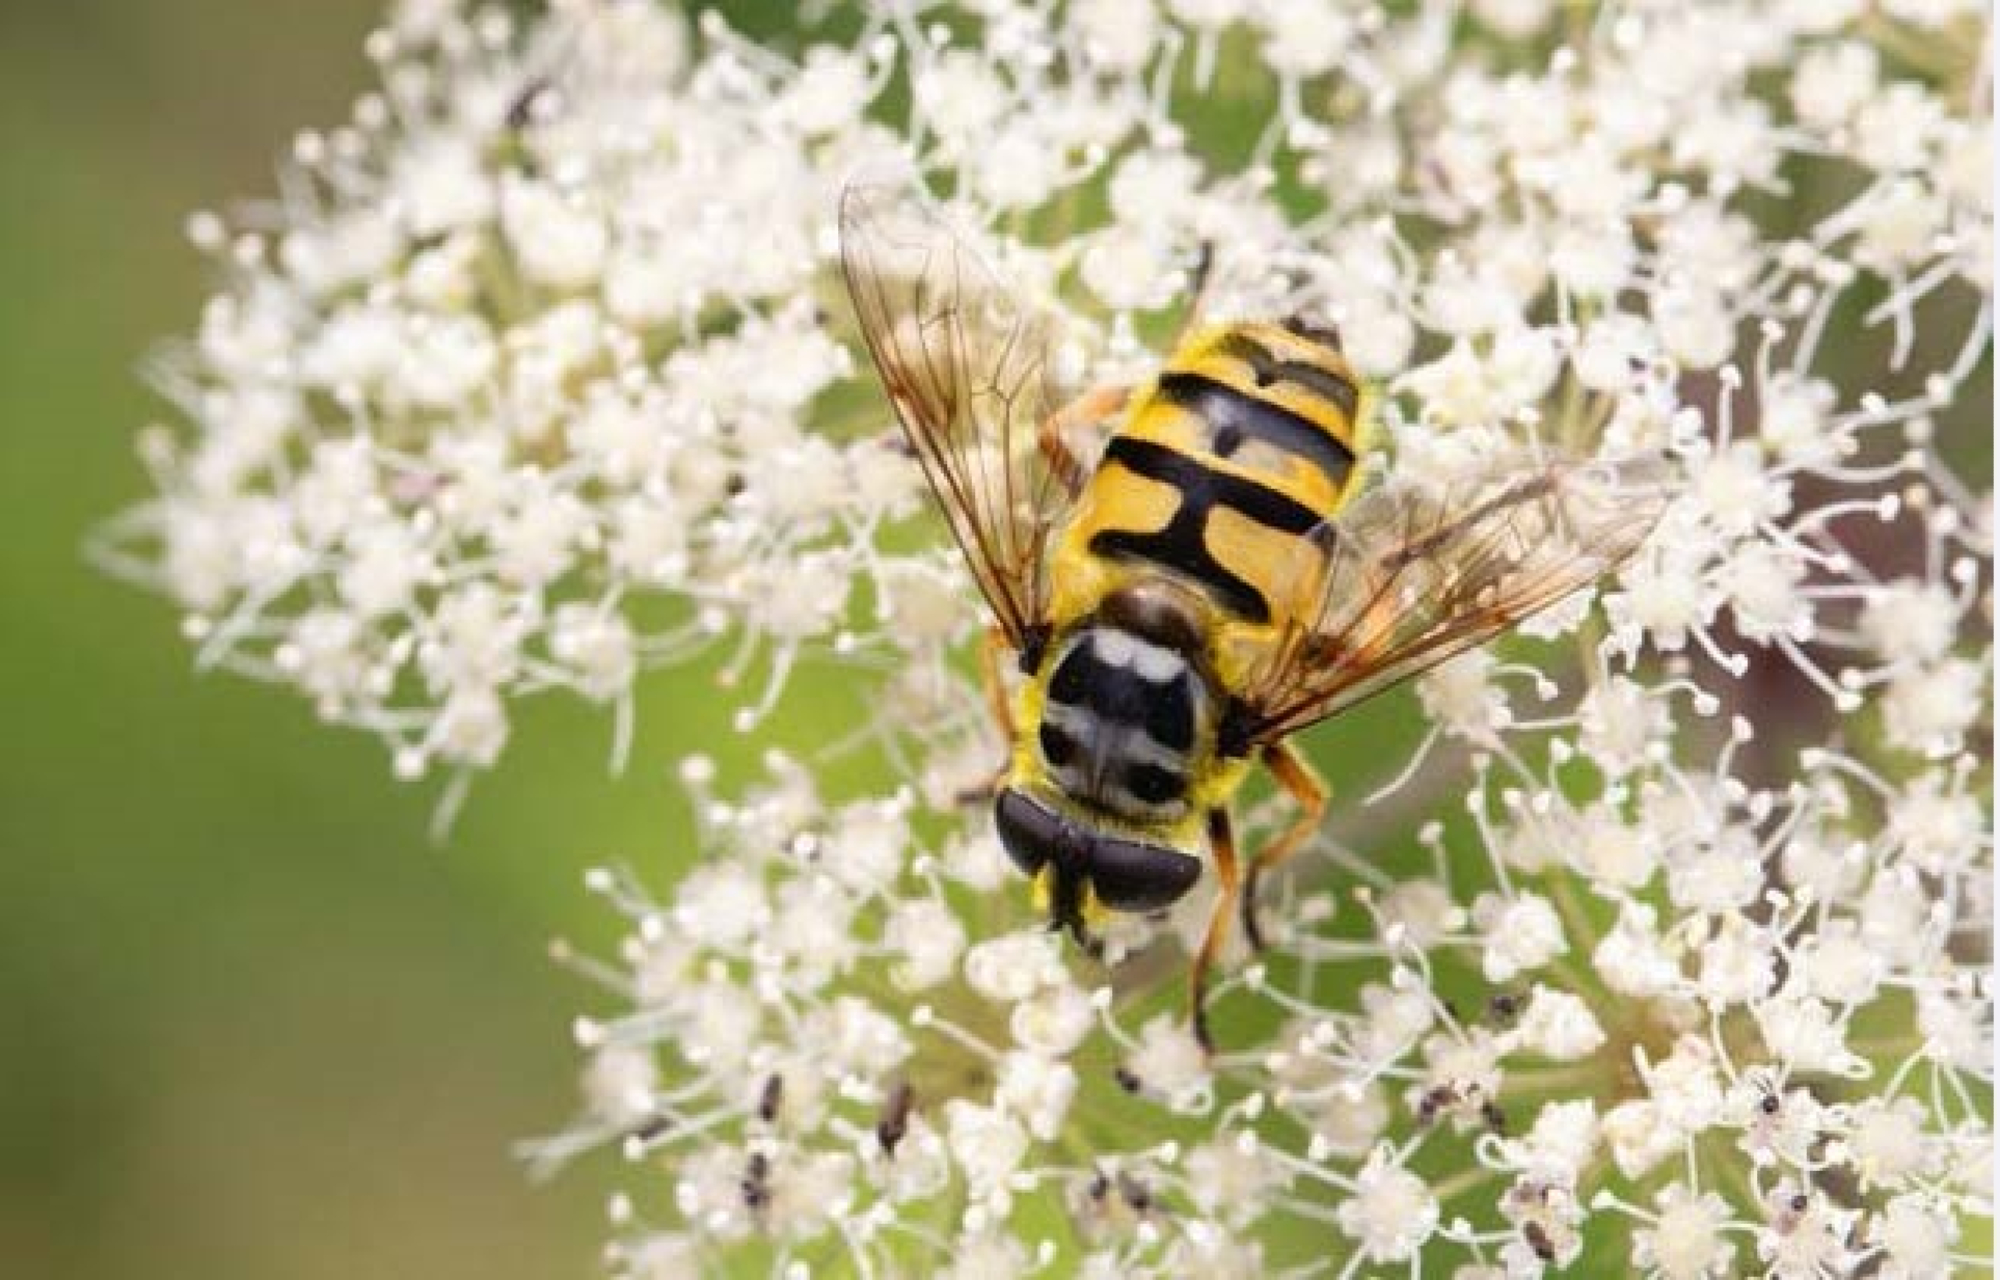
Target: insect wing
{"points": [[1412, 575], [967, 368]]}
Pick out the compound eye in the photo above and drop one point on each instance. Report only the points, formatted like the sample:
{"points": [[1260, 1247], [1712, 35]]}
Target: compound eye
{"points": [[1058, 744], [1151, 784], [1031, 834], [1130, 876]]}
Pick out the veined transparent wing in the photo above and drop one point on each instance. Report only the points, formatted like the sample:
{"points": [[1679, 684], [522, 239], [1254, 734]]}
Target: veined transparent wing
{"points": [[966, 366], [1411, 575]]}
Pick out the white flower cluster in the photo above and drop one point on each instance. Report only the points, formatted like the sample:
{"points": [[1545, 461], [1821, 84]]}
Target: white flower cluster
{"points": [[517, 387], [1670, 947], [843, 1050], [840, 1049]]}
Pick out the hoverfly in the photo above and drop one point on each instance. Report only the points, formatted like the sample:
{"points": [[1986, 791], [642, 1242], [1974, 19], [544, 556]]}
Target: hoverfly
{"points": [[1211, 583]]}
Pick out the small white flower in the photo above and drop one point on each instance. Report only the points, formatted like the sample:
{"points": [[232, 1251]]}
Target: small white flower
{"points": [[808, 1192], [1693, 323], [1803, 1235], [1736, 965], [1037, 1089], [1395, 1017], [1886, 1142], [1797, 419], [1558, 1146], [1229, 1178], [1016, 966], [1390, 1212], [987, 1256], [1559, 1025], [1686, 1085], [1521, 933], [1832, 81], [1940, 831], [1957, 1029], [1739, 493], [1931, 709], [1422, 910], [1764, 588], [1460, 695], [811, 925], [1350, 1118], [1916, 1234], [1720, 876], [470, 729], [1837, 966], [1640, 1137], [867, 847], [1780, 1126], [861, 1038], [987, 1144], [1170, 1063], [708, 1191], [1632, 957], [721, 906], [929, 939], [1055, 1020], [1687, 1240], [1614, 852], [1516, 19], [1618, 723], [1805, 1033], [620, 1082], [598, 646]]}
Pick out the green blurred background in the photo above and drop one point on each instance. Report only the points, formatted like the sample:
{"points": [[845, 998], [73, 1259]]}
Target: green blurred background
{"points": [[256, 1023]]}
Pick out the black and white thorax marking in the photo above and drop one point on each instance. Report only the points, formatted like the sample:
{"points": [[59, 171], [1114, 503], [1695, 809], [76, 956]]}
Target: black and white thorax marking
{"points": [[1119, 724]]}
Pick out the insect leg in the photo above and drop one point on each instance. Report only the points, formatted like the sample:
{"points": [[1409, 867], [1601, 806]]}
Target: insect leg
{"points": [[1090, 407], [1309, 793], [994, 654], [993, 657], [1222, 842]]}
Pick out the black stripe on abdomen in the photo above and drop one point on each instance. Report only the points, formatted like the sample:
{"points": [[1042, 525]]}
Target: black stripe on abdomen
{"points": [[1182, 544], [1234, 416], [1336, 389]]}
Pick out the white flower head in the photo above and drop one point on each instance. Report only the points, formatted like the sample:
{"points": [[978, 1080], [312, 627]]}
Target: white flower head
{"points": [[1390, 1213], [1670, 911]]}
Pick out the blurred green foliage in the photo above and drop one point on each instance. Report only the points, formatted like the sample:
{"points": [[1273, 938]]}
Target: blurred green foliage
{"points": [[257, 1025]]}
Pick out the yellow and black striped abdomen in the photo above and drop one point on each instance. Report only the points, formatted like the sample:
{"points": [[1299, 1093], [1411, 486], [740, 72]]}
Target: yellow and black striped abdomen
{"points": [[1248, 438]]}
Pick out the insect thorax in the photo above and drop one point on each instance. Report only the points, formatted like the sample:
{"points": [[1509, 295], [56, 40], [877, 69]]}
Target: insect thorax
{"points": [[1126, 721]]}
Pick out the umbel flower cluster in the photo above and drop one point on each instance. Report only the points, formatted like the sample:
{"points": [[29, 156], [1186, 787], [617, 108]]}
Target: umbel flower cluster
{"points": [[1663, 946]]}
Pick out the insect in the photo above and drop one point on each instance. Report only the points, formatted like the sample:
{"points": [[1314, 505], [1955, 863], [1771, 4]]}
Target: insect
{"points": [[1210, 583], [770, 1097], [1538, 1240], [1442, 1098], [756, 1183], [521, 111], [1109, 1196], [894, 1123]]}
